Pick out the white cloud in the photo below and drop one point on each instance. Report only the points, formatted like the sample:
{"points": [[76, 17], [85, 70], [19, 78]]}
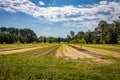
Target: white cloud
{"points": [[41, 3], [103, 2], [9, 10], [81, 16]]}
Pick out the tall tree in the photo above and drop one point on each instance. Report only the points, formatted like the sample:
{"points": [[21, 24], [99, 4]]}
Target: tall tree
{"points": [[80, 35], [72, 34], [88, 37], [68, 38]]}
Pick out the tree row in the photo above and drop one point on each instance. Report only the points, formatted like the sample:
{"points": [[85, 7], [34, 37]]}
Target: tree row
{"points": [[104, 33], [11, 35]]}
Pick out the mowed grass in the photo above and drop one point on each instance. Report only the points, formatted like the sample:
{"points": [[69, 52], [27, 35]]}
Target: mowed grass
{"points": [[4, 47], [109, 50], [61, 48], [109, 47], [48, 49], [48, 67]]}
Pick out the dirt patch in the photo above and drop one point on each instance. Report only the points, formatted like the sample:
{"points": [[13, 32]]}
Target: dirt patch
{"points": [[92, 53], [72, 53]]}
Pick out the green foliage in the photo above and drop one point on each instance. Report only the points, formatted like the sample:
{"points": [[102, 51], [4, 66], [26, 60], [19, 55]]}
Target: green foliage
{"points": [[73, 41], [104, 33], [51, 39], [72, 34], [11, 35], [119, 42], [4, 42], [82, 41], [18, 42], [94, 42], [34, 42]]}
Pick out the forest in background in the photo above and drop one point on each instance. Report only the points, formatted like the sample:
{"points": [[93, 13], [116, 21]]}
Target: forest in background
{"points": [[104, 33]]}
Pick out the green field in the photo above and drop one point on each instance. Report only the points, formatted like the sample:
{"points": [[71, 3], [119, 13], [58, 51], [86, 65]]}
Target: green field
{"points": [[39, 62]]}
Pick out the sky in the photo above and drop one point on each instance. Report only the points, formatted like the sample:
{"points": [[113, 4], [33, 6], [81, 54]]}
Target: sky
{"points": [[57, 17]]}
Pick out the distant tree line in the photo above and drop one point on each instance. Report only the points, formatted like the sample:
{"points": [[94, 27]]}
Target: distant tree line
{"points": [[14, 35], [11, 35], [43, 39], [105, 33]]}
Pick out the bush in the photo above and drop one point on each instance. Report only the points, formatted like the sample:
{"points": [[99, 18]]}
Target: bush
{"points": [[73, 41], [94, 42], [34, 42], [18, 42], [119, 42], [82, 41], [4, 42]]}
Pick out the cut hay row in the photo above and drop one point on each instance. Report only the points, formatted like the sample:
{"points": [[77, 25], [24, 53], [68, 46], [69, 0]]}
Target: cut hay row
{"points": [[105, 47], [9, 47], [48, 49], [72, 53], [30, 48], [101, 49], [85, 51]]}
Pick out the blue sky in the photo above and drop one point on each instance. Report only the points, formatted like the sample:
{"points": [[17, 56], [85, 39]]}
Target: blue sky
{"points": [[57, 17]]}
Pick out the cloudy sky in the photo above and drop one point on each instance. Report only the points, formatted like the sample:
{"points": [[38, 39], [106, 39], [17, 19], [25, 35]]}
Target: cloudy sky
{"points": [[57, 17]]}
